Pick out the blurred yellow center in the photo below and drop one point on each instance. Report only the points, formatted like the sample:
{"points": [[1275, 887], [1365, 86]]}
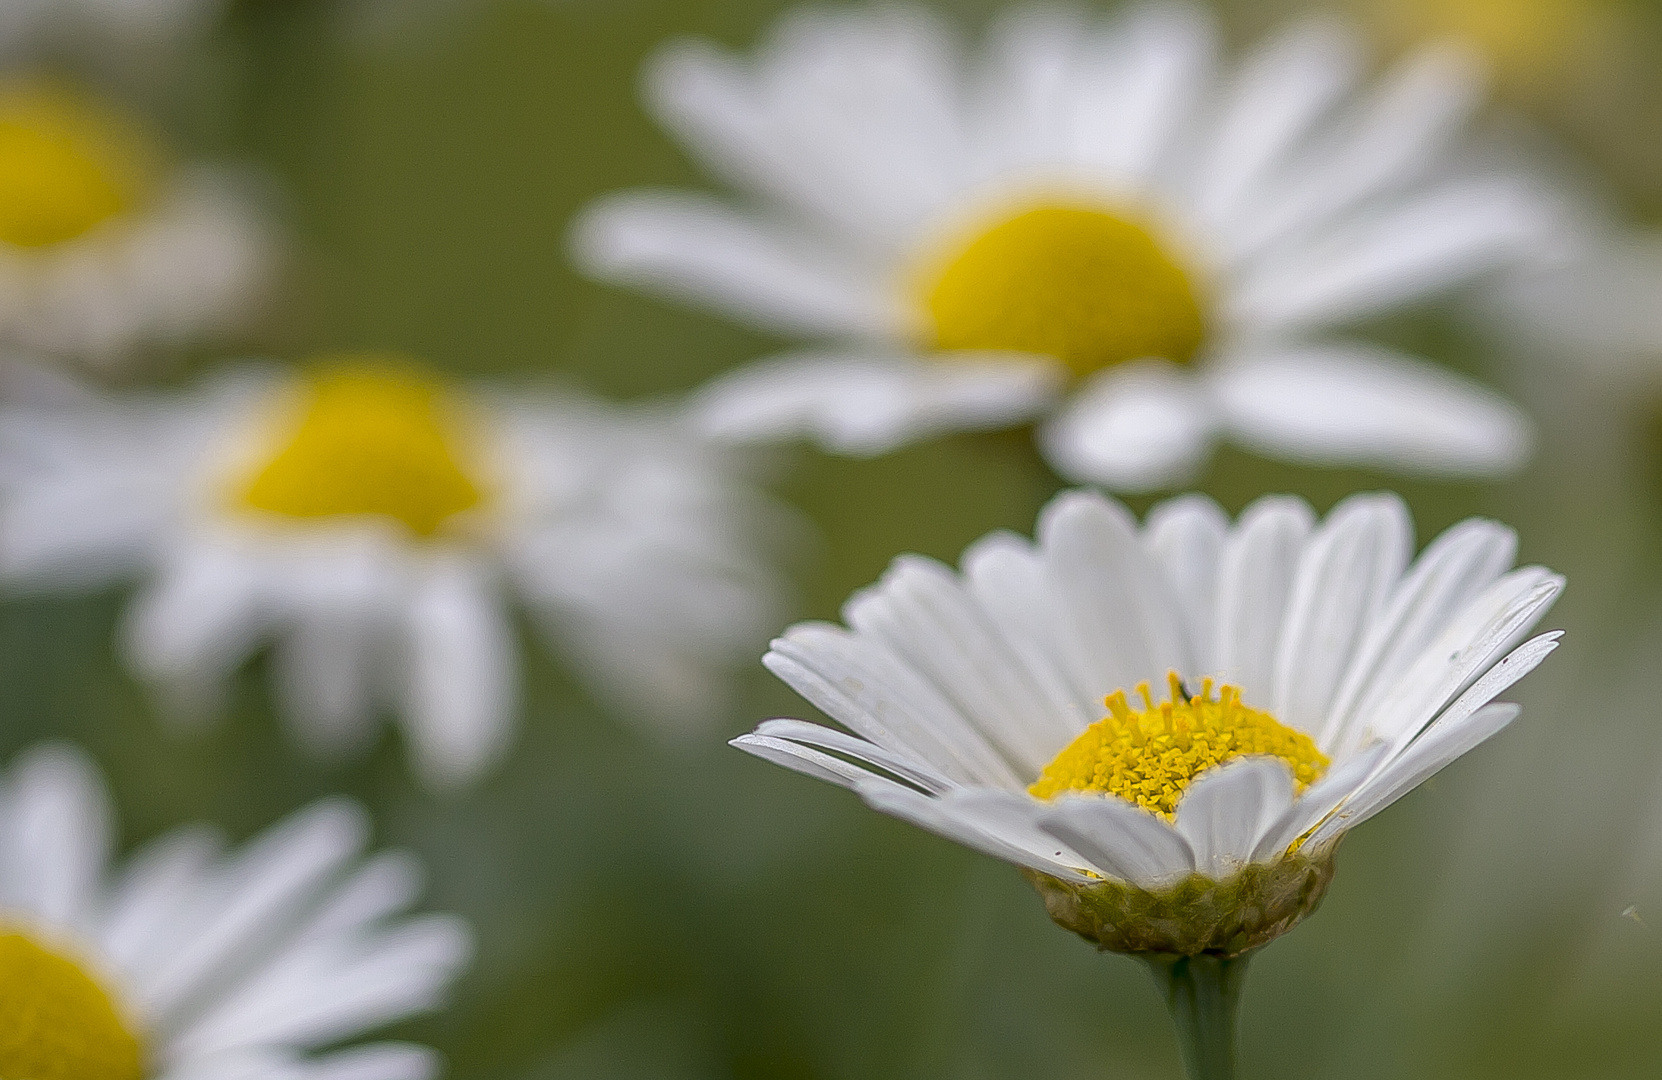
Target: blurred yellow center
{"points": [[1150, 756], [56, 1022], [1082, 285], [66, 165], [376, 439]]}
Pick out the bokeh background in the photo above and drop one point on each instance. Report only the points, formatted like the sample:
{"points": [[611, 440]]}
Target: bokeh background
{"points": [[653, 911]]}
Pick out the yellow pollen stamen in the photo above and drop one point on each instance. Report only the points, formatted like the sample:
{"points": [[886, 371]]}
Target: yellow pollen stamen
{"points": [[1079, 284], [1149, 756], [66, 165], [376, 438], [56, 1022]]}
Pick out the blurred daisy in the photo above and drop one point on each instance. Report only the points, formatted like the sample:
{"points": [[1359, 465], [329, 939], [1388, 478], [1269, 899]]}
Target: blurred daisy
{"points": [[106, 247], [1093, 222], [34, 25], [191, 962], [1170, 727], [367, 520], [1597, 309]]}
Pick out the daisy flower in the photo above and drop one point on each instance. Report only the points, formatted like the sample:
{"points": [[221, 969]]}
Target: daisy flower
{"points": [[188, 961], [107, 247], [1308, 676], [368, 521], [1098, 224], [33, 25]]}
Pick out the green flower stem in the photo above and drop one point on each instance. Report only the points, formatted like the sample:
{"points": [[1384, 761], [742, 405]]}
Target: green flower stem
{"points": [[1204, 995]]}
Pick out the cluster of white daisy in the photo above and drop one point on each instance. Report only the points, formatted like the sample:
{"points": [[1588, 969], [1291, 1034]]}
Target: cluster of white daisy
{"points": [[1099, 227]]}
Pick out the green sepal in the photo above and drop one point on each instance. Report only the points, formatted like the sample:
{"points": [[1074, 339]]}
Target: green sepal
{"points": [[1195, 916]]}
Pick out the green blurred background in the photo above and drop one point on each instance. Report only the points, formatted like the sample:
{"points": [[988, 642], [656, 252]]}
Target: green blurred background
{"points": [[664, 912]]}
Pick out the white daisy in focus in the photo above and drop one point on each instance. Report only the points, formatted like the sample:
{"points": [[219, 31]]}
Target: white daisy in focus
{"points": [[1097, 223], [370, 522], [107, 248], [1309, 675], [192, 962]]}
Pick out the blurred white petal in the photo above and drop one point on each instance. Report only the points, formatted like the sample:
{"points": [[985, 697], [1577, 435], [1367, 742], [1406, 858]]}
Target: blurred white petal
{"points": [[463, 674], [1358, 405], [229, 964], [694, 248], [865, 404], [1138, 427]]}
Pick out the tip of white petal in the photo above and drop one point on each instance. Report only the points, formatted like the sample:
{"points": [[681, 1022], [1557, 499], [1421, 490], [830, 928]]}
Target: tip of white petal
{"points": [[1136, 428], [59, 765]]}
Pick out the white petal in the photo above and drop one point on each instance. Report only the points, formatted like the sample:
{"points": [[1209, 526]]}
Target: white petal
{"points": [[1134, 427], [1436, 749], [1465, 654], [1013, 817], [852, 117], [197, 620], [386, 884], [863, 686], [1120, 840], [1115, 604], [1455, 568], [263, 1063], [463, 688], [1437, 240], [56, 819], [1258, 566], [1186, 536], [920, 611], [1318, 801], [1380, 145], [62, 529], [1277, 94], [141, 922], [937, 817], [1007, 578], [802, 734], [1347, 404], [1031, 83], [322, 669], [1145, 79], [318, 992], [276, 875], [1227, 810], [1345, 574], [867, 404], [693, 248], [377, 1061], [804, 759]]}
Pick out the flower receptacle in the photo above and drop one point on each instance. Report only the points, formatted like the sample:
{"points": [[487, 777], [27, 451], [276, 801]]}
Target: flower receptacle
{"points": [[1197, 915]]}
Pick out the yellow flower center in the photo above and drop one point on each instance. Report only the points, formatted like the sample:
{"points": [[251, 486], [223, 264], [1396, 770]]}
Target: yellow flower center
{"points": [[1079, 284], [375, 438], [66, 164], [1150, 756], [56, 1022]]}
